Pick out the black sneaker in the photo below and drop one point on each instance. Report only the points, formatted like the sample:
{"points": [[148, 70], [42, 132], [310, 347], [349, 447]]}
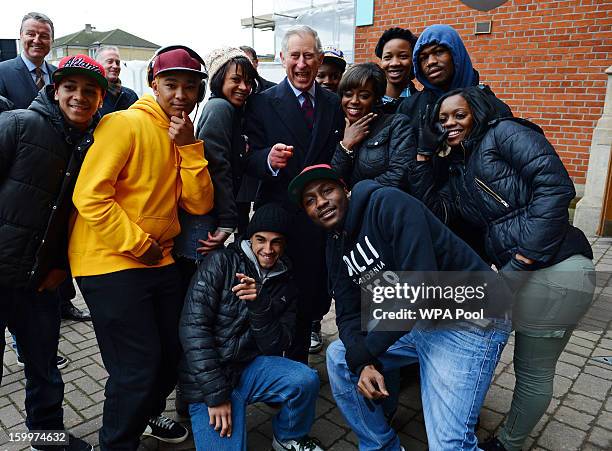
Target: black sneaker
{"points": [[166, 430], [316, 342], [492, 445], [62, 362], [74, 444]]}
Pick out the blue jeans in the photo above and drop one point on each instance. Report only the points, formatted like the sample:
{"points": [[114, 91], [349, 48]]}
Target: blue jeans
{"points": [[193, 228], [456, 369], [265, 379], [34, 318]]}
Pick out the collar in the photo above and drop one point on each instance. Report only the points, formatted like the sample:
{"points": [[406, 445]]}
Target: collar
{"points": [[297, 92], [405, 93], [31, 66]]}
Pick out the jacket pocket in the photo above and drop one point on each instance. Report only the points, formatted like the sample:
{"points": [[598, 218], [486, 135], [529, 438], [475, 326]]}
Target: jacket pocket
{"points": [[484, 187]]}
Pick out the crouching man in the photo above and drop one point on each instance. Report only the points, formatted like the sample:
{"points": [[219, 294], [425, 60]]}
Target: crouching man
{"points": [[237, 321], [456, 363]]}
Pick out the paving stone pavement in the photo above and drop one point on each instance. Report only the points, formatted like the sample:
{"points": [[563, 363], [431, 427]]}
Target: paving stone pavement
{"points": [[579, 417]]}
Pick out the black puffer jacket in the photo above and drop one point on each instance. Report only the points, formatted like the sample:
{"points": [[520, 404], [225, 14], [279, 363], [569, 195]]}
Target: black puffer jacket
{"points": [[221, 334], [512, 183], [384, 156], [39, 164]]}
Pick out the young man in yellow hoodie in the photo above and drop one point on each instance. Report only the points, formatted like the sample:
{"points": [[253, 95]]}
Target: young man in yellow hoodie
{"points": [[145, 162]]}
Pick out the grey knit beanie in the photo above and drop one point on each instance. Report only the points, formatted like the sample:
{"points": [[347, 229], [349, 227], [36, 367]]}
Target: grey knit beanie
{"points": [[218, 57]]}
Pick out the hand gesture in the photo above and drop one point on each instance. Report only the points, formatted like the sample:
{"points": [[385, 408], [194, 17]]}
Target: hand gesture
{"points": [[371, 383], [221, 418], [181, 130], [215, 240], [152, 256], [53, 280], [246, 289], [431, 135], [279, 155], [357, 131]]}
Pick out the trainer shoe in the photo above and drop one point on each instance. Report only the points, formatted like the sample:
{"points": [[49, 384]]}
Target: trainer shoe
{"points": [[62, 362], [166, 430], [316, 342], [74, 444], [304, 444]]}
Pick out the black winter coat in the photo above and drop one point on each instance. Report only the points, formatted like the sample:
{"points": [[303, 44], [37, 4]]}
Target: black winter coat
{"points": [[39, 165], [221, 334], [220, 127], [123, 101], [514, 185], [383, 157]]}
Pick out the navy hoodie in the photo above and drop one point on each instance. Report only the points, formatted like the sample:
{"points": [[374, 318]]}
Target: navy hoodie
{"points": [[385, 229], [464, 73]]}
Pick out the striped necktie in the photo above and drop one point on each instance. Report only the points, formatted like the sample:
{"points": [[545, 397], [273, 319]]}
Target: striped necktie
{"points": [[40, 80], [308, 110]]}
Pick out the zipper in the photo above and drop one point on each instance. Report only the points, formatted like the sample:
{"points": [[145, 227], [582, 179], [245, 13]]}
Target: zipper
{"points": [[492, 193]]}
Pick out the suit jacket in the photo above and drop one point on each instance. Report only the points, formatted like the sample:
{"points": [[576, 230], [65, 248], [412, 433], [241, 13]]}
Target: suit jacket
{"points": [[16, 83], [274, 116]]}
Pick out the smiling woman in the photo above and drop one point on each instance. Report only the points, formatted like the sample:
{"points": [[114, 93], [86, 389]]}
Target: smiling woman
{"points": [[394, 49], [233, 78], [506, 182], [375, 145]]}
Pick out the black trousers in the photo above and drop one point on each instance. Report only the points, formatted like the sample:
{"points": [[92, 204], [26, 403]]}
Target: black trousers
{"points": [[135, 315], [306, 249], [34, 319]]}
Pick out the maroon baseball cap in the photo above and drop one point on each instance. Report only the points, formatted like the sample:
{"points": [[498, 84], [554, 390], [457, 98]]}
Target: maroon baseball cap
{"points": [[81, 65], [308, 174], [177, 59]]}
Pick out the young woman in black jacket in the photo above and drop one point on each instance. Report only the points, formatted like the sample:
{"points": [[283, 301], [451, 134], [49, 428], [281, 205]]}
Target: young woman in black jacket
{"points": [[375, 145], [232, 79], [507, 180]]}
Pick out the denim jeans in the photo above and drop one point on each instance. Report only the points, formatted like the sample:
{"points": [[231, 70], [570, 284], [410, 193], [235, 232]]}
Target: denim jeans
{"points": [[193, 228], [34, 318], [456, 369], [265, 379]]}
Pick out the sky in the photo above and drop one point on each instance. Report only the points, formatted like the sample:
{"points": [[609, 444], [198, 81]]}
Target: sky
{"points": [[200, 24]]}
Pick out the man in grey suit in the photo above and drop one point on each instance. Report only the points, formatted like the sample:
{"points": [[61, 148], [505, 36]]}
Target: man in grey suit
{"points": [[22, 77]]}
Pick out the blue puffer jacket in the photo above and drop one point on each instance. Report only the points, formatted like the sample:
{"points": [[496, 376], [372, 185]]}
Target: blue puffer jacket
{"points": [[512, 183]]}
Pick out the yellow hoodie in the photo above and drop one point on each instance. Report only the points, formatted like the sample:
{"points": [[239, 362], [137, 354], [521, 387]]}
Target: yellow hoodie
{"points": [[130, 185]]}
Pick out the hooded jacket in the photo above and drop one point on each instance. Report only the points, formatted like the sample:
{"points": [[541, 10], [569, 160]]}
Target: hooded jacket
{"points": [[40, 158], [221, 334], [507, 179], [131, 184], [464, 73], [385, 229]]}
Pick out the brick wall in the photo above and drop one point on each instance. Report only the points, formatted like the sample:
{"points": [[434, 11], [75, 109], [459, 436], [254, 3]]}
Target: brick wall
{"points": [[545, 58]]}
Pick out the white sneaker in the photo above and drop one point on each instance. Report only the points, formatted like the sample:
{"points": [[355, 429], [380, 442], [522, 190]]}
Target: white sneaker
{"points": [[316, 342], [304, 444]]}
